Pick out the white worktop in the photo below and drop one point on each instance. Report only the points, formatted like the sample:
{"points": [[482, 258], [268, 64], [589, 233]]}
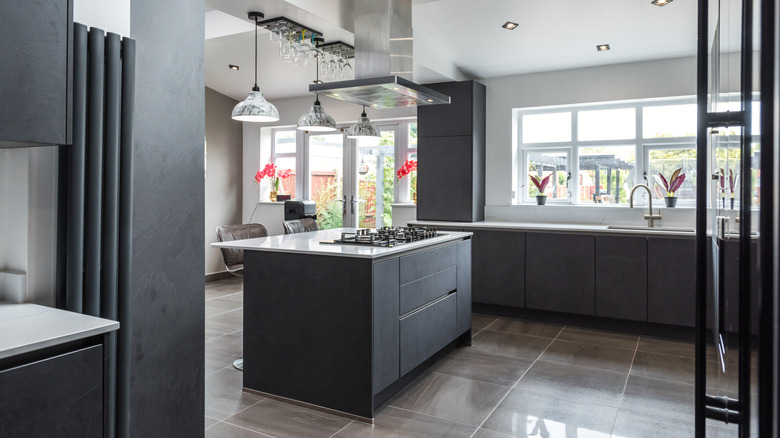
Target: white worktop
{"points": [[30, 327], [563, 228], [311, 243]]}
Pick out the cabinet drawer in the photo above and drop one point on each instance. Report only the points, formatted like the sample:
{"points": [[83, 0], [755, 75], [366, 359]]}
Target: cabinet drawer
{"points": [[427, 289], [427, 331], [423, 264]]}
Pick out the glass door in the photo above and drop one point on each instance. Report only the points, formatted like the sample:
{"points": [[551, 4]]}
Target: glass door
{"points": [[370, 198], [326, 177]]}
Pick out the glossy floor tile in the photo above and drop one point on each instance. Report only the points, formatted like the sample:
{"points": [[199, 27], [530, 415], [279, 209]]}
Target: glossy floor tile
{"points": [[518, 379], [524, 413], [452, 398], [391, 422], [589, 355]]}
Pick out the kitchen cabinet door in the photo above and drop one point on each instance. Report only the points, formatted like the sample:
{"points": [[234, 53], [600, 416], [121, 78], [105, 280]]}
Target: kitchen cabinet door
{"points": [[498, 268], [671, 281], [621, 277], [35, 80], [560, 271], [445, 184], [60, 396], [385, 324]]}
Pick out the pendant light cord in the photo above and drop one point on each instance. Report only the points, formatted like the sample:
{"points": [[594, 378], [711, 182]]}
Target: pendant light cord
{"points": [[255, 88]]}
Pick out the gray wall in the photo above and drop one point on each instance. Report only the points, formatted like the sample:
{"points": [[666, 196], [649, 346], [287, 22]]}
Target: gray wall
{"points": [[223, 172], [28, 224], [167, 307]]}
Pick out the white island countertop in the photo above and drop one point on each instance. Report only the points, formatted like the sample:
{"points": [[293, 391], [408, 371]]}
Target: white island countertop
{"points": [[30, 327], [311, 243]]}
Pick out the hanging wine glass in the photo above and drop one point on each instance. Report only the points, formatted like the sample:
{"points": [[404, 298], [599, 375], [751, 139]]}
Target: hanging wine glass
{"points": [[347, 71], [323, 64], [333, 68], [273, 33], [283, 34]]}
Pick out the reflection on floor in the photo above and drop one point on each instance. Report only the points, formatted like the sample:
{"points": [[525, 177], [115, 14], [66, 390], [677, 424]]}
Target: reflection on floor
{"points": [[518, 379]]}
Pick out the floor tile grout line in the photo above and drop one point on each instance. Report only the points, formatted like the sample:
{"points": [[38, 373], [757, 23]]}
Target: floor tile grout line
{"points": [[515, 384], [229, 294], [251, 430], [226, 311], [345, 426], [429, 415], [625, 385]]}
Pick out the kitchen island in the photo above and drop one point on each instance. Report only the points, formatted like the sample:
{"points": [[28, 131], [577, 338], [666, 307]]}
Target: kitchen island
{"points": [[343, 327]]}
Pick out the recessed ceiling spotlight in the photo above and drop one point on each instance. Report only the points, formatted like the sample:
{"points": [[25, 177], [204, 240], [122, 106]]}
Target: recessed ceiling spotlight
{"points": [[602, 47], [509, 25], [233, 67], [661, 2]]}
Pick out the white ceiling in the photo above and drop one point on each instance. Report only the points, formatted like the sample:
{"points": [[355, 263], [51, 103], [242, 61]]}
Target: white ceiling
{"points": [[455, 36]]}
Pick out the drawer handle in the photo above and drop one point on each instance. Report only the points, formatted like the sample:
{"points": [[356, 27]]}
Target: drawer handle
{"points": [[428, 304]]}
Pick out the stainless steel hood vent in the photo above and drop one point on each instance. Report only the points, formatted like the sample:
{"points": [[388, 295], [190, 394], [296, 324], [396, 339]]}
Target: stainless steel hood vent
{"points": [[381, 92], [383, 59]]}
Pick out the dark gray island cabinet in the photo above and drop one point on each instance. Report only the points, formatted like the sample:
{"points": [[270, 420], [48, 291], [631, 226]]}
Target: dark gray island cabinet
{"points": [[343, 327]]}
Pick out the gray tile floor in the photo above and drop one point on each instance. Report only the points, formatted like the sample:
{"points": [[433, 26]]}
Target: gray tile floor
{"points": [[518, 379]]}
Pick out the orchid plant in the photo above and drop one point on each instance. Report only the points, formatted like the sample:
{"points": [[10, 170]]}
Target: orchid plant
{"points": [[672, 184], [540, 184], [273, 174], [407, 168]]}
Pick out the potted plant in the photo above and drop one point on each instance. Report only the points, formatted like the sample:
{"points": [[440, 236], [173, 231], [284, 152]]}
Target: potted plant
{"points": [[409, 168], [273, 174], [671, 185], [733, 184], [541, 198]]}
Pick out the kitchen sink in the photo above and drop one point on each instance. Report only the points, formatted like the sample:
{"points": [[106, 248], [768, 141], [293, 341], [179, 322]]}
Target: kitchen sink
{"points": [[651, 229]]}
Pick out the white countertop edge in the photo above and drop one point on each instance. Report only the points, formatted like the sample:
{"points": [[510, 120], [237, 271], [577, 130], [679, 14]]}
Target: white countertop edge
{"points": [[30, 327], [573, 228], [404, 205], [309, 243]]}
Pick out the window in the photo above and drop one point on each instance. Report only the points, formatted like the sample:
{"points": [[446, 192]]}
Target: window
{"points": [[555, 164], [606, 174], [545, 128], [283, 155], [598, 152], [411, 154], [610, 124]]}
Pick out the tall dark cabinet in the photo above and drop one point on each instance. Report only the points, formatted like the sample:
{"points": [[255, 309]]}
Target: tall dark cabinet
{"points": [[451, 155], [35, 95]]}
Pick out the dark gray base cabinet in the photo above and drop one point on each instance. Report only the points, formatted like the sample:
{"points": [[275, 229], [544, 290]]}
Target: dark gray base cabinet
{"points": [[60, 396], [498, 268], [621, 277], [671, 281], [635, 278], [336, 331], [560, 272]]}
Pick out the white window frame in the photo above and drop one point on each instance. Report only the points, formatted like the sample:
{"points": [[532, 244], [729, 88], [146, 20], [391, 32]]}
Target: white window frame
{"points": [[642, 145], [300, 177]]}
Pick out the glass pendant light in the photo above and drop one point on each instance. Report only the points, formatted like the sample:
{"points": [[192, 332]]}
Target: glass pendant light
{"points": [[255, 108], [317, 120], [363, 128]]}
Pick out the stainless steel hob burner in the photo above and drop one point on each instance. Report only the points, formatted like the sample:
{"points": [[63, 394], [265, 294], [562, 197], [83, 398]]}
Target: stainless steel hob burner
{"points": [[385, 236]]}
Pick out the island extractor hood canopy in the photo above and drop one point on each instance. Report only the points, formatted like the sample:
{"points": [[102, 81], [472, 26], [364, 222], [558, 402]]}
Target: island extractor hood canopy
{"points": [[383, 60]]}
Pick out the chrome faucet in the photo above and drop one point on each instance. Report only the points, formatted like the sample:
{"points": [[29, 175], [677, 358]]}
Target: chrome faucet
{"points": [[650, 216]]}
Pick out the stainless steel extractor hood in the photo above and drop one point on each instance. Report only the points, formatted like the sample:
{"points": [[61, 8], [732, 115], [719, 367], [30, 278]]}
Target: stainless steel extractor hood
{"points": [[383, 60]]}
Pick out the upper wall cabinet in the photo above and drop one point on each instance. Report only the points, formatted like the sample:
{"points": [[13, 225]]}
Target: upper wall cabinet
{"points": [[35, 78], [451, 154]]}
